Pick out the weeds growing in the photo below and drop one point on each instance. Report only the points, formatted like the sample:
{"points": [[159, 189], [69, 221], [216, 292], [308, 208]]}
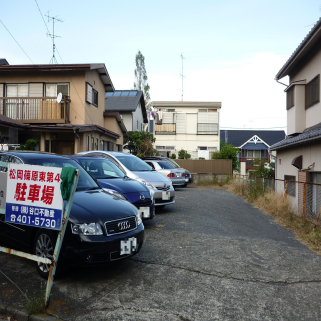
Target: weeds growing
{"points": [[35, 303]]}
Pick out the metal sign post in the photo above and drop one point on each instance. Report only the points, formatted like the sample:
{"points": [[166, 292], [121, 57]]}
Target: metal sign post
{"points": [[35, 201], [60, 238]]}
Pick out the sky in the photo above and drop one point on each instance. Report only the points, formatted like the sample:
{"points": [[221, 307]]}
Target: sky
{"points": [[233, 49]]}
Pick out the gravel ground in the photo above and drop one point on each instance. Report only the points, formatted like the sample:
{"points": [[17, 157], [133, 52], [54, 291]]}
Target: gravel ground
{"points": [[211, 256]]}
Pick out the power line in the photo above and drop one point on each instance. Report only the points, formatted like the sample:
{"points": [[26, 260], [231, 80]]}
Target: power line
{"points": [[66, 71], [42, 72], [16, 41]]}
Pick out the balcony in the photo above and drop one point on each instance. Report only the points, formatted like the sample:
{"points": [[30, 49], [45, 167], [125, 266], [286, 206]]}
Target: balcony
{"points": [[252, 162], [36, 109], [165, 129]]}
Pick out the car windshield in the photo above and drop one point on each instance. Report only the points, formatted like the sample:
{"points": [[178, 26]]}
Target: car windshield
{"points": [[85, 181], [165, 165], [134, 163], [101, 168], [172, 162]]}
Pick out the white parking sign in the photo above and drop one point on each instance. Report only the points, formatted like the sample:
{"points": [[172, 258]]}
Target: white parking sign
{"points": [[33, 196]]}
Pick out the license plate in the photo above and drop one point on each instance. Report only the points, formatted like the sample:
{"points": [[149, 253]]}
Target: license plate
{"points": [[178, 174], [166, 196], [128, 246], [144, 212]]}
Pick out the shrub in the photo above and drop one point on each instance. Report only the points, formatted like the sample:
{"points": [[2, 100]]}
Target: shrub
{"points": [[29, 145], [173, 156]]}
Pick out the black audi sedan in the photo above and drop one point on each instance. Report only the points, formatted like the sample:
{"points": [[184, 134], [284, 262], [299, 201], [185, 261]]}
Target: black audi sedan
{"points": [[98, 225]]}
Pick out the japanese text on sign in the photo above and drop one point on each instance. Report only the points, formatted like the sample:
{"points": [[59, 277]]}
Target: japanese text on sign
{"points": [[35, 197]]}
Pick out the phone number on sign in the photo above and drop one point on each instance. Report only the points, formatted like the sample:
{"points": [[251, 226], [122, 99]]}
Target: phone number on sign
{"points": [[36, 221]]}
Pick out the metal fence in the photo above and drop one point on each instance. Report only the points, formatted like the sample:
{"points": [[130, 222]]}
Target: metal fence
{"points": [[304, 197], [206, 166]]}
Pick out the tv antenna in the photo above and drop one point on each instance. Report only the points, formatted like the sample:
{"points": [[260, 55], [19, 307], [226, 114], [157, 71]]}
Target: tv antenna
{"points": [[182, 75], [53, 59]]}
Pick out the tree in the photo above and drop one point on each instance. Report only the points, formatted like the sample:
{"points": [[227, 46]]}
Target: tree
{"points": [[263, 169], [29, 145], [140, 82], [182, 154], [228, 152], [140, 143]]}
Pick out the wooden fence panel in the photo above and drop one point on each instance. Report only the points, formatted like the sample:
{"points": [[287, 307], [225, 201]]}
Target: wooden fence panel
{"points": [[207, 166]]}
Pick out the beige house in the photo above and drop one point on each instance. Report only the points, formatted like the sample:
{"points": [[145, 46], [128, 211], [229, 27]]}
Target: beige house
{"points": [[193, 126], [299, 155], [62, 105]]}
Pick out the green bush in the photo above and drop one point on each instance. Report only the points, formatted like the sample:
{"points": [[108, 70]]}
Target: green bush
{"points": [[29, 145], [173, 156]]}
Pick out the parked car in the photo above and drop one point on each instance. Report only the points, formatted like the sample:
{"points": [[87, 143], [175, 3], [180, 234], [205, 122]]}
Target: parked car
{"points": [[134, 167], [115, 181], [188, 176], [95, 231], [177, 176]]}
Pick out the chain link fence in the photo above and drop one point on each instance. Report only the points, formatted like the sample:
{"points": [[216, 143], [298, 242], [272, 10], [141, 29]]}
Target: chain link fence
{"points": [[305, 197]]}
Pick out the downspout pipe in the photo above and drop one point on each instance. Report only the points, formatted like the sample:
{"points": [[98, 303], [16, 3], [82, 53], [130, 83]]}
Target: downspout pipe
{"points": [[78, 147]]}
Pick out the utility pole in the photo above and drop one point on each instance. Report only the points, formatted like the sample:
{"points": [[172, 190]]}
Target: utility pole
{"points": [[53, 59], [182, 75]]}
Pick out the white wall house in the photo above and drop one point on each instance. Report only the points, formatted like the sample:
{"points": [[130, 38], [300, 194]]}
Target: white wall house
{"points": [[302, 147], [193, 126], [131, 106]]}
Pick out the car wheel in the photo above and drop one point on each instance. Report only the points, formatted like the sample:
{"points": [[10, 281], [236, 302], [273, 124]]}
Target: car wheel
{"points": [[44, 246]]}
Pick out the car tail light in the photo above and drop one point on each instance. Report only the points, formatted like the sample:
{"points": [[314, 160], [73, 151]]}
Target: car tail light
{"points": [[183, 175], [171, 175]]}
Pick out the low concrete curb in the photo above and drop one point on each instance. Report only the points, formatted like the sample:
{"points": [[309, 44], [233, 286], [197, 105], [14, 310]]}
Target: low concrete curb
{"points": [[21, 315]]}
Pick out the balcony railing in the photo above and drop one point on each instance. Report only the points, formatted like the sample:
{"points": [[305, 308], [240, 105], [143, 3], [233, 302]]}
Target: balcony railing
{"points": [[252, 162], [36, 109], [165, 129]]}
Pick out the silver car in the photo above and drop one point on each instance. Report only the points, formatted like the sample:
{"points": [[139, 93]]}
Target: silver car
{"points": [[134, 167], [177, 176]]}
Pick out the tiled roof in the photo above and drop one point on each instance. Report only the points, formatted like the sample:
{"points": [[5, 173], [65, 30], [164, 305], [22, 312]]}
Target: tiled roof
{"points": [[11, 122], [309, 135], [128, 103], [239, 137], [298, 49]]}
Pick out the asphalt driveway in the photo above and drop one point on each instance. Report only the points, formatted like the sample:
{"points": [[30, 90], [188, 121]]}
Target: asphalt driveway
{"points": [[211, 256]]}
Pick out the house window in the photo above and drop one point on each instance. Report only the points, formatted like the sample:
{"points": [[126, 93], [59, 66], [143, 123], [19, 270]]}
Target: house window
{"points": [[87, 144], [52, 90], [89, 93], [97, 143], [290, 184], [92, 143], [19, 90], [202, 148], [137, 124], [254, 154], [95, 97], [290, 98], [207, 122], [312, 92]]}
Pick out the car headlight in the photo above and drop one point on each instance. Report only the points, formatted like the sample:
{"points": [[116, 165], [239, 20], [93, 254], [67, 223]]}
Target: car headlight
{"points": [[149, 185], [86, 229], [113, 192], [138, 219]]}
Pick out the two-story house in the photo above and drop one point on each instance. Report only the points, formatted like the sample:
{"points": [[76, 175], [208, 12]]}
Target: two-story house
{"points": [[253, 144], [62, 106], [130, 105], [193, 126], [299, 155]]}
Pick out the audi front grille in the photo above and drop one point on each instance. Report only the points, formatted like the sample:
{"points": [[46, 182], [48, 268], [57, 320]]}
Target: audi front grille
{"points": [[120, 226]]}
